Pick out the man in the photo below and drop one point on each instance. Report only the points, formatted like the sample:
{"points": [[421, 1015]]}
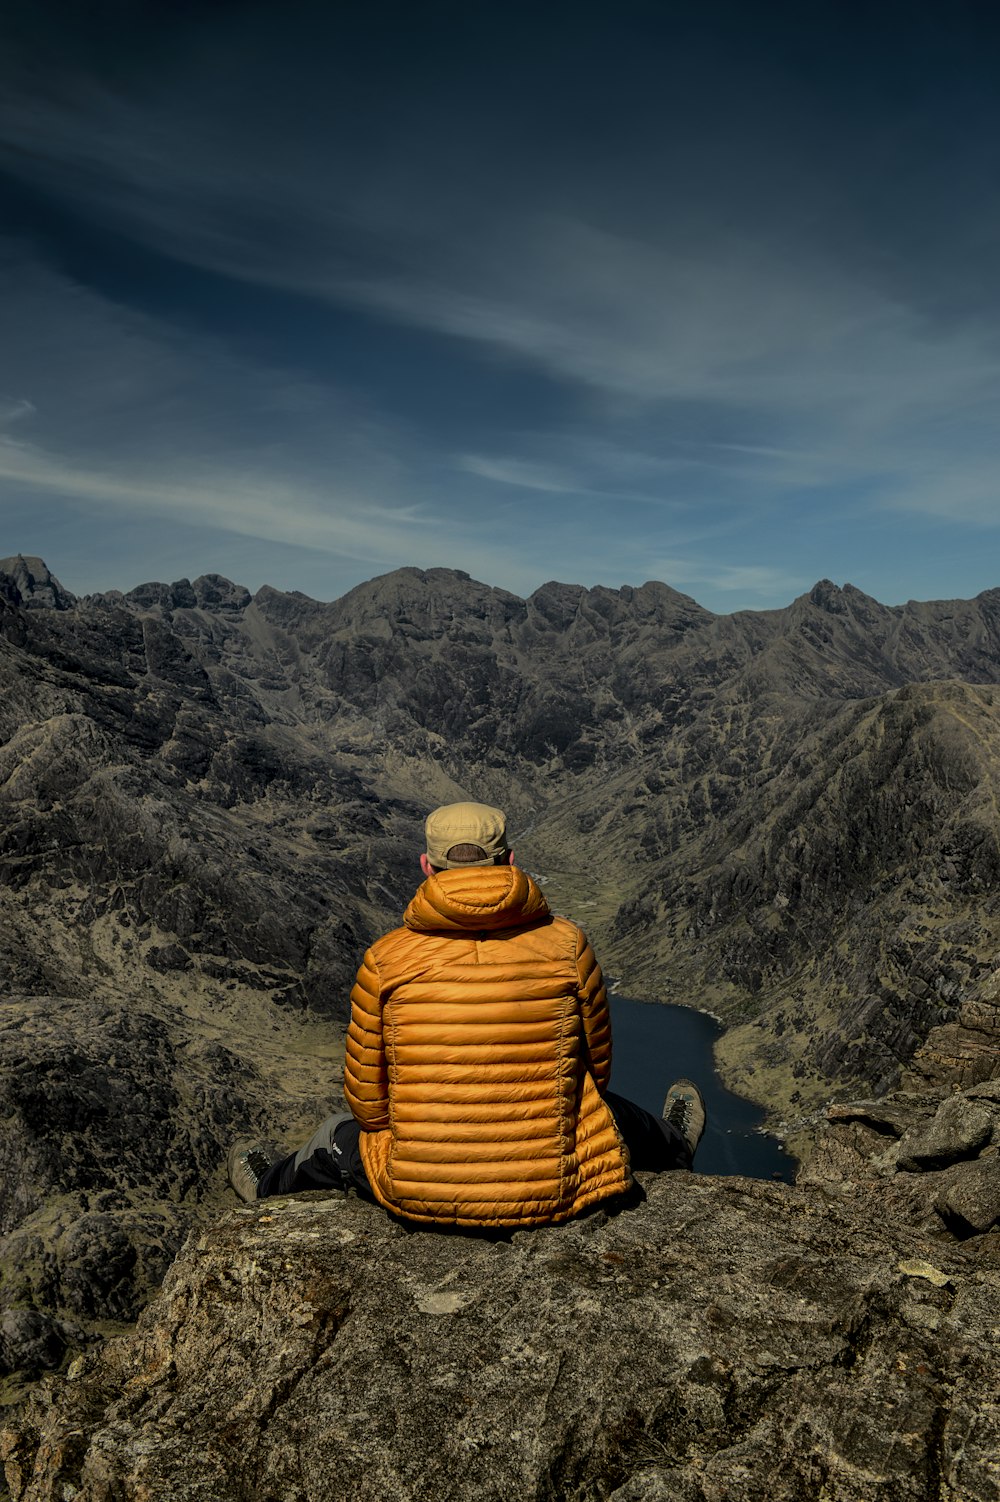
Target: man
{"points": [[478, 1059]]}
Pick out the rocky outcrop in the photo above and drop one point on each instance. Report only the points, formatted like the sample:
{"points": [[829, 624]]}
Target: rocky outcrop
{"points": [[924, 1159], [964, 1051], [721, 1338], [114, 1124], [36, 588]]}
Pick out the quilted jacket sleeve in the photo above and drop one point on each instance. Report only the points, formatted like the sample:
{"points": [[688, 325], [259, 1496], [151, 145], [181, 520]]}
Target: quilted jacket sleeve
{"points": [[594, 1011], [366, 1075]]}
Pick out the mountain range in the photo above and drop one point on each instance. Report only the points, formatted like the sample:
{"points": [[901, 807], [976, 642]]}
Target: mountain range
{"points": [[211, 801]]}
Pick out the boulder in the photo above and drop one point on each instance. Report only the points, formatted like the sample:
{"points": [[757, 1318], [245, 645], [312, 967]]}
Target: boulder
{"points": [[971, 1203], [959, 1129]]}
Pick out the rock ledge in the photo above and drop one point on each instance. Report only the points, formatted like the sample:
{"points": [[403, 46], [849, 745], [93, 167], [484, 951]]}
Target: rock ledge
{"points": [[724, 1338]]}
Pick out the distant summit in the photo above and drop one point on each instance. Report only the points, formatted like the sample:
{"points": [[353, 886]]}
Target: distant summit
{"points": [[39, 590], [208, 592]]}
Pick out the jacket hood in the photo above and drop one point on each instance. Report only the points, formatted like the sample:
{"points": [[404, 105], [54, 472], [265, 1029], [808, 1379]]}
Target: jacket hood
{"points": [[476, 897]]}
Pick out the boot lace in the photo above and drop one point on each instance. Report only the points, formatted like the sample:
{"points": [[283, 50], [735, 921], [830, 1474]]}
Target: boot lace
{"points": [[257, 1162], [679, 1114]]}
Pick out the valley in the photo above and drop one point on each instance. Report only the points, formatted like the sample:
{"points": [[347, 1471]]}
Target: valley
{"points": [[211, 802]]}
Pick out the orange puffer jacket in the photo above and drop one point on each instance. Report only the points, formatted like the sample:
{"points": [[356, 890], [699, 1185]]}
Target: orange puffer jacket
{"points": [[477, 1055]]}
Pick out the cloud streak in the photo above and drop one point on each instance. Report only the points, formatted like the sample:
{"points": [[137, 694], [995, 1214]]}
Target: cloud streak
{"points": [[730, 331], [122, 417], [771, 350]]}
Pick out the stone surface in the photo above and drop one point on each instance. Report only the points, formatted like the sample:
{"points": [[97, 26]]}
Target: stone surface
{"points": [[726, 1338], [960, 1127], [113, 1128], [864, 1152], [964, 1051], [971, 1203]]}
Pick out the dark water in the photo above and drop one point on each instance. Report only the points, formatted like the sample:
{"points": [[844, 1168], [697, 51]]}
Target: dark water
{"points": [[653, 1046]]}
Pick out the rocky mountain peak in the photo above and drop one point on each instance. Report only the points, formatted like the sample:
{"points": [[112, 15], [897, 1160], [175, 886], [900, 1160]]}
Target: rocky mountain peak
{"points": [[828, 596], [665, 601], [176, 596], [989, 599], [426, 601], [39, 590], [210, 592], [216, 592]]}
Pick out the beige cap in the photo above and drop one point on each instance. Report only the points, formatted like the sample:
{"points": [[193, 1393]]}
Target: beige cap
{"points": [[465, 824]]}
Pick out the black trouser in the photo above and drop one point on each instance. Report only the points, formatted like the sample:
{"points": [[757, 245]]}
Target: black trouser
{"points": [[654, 1145], [331, 1159]]}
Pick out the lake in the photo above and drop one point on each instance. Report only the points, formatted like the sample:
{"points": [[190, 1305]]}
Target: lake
{"points": [[655, 1045]]}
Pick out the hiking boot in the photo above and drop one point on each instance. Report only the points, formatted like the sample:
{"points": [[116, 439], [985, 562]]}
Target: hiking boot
{"points": [[247, 1164], [684, 1108]]}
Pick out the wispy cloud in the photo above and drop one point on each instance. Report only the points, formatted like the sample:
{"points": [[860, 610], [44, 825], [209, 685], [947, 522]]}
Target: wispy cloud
{"points": [[124, 417], [758, 582], [712, 313], [521, 474], [799, 349], [729, 351], [228, 501], [601, 472], [750, 316], [14, 411], [968, 493], [832, 378]]}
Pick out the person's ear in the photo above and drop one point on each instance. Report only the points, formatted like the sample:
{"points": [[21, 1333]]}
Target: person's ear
{"points": [[426, 866]]}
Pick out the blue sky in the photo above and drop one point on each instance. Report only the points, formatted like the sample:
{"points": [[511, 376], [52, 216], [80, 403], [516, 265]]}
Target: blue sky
{"points": [[698, 292]]}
